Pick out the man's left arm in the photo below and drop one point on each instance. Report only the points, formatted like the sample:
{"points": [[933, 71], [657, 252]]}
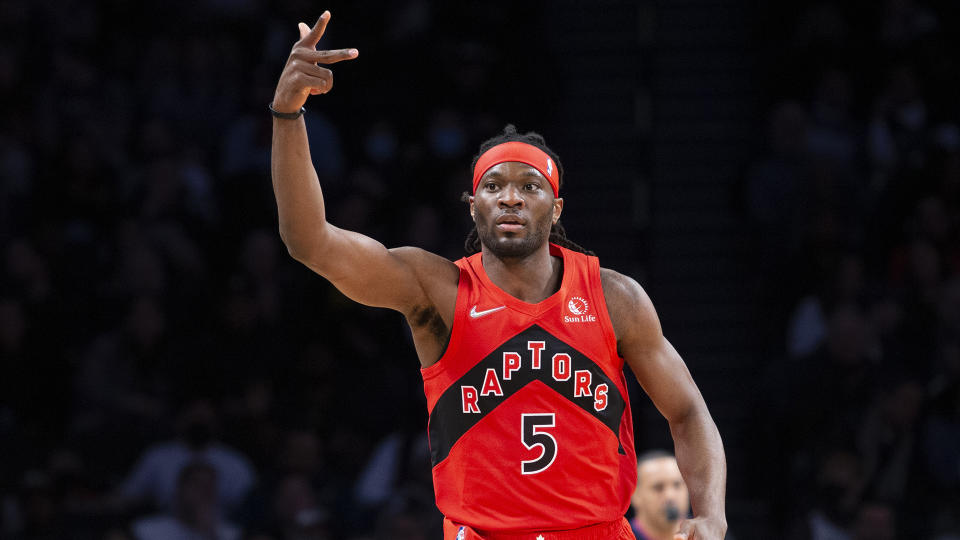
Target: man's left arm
{"points": [[665, 378]]}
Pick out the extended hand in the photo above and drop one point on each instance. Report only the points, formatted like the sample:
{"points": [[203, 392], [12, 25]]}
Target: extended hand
{"points": [[302, 76], [701, 529]]}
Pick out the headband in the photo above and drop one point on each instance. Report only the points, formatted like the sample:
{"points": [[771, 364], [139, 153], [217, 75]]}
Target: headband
{"points": [[523, 153]]}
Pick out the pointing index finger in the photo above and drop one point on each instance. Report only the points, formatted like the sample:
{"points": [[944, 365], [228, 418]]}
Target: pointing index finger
{"points": [[313, 37], [332, 57]]}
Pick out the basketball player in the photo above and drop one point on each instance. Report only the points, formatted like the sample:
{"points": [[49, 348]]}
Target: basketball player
{"points": [[521, 344], [661, 499]]}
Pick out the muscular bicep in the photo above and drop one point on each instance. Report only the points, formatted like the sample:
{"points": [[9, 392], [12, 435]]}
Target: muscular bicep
{"points": [[367, 272], [658, 367]]}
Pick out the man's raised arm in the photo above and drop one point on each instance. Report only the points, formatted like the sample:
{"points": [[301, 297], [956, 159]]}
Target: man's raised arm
{"points": [[303, 225], [665, 378], [359, 266]]}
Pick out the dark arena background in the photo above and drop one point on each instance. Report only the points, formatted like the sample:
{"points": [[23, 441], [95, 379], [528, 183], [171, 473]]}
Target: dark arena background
{"points": [[782, 177]]}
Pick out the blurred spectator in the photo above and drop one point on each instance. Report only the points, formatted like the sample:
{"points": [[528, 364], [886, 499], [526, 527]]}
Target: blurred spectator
{"points": [[888, 441], [195, 512], [396, 482], [777, 184], [834, 134], [904, 21], [299, 513], [834, 501], [875, 521], [397, 459], [660, 500], [808, 324], [292, 483], [841, 373], [121, 374], [868, 267], [155, 476]]}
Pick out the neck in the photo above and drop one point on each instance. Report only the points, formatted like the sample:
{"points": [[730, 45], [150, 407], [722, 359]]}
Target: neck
{"points": [[530, 279]]}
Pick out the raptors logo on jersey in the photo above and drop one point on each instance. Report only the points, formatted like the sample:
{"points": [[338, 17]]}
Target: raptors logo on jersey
{"points": [[505, 371], [529, 423]]}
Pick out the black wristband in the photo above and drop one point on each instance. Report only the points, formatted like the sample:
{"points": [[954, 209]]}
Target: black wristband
{"points": [[286, 115]]}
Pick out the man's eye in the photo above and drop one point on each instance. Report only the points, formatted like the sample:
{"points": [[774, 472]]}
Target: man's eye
{"points": [[531, 186], [489, 186]]}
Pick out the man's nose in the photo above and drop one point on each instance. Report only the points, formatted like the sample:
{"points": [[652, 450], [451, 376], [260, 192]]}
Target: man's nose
{"points": [[675, 496], [510, 196]]}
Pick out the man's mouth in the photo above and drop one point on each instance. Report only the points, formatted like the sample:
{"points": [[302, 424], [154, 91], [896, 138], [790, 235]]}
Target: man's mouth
{"points": [[510, 223]]}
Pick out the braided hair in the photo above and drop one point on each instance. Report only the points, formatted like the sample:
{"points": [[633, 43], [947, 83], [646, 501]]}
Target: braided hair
{"points": [[558, 235]]}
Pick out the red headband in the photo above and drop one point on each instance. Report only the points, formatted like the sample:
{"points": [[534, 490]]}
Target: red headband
{"points": [[522, 152]]}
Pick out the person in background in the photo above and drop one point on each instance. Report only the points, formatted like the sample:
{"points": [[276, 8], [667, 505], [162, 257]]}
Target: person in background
{"points": [[154, 477], [195, 513], [661, 499]]}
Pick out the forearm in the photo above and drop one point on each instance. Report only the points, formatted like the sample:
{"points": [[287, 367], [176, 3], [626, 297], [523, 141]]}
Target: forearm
{"points": [[700, 456], [296, 187]]}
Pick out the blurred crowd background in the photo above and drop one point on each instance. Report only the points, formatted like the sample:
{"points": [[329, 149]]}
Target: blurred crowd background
{"points": [[855, 202], [164, 364]]}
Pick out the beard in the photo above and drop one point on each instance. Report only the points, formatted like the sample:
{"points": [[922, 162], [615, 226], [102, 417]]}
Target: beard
{"points": [[514, 246]]}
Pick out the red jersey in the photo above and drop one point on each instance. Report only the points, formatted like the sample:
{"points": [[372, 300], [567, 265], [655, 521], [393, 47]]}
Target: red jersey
{"points": [[530, 426]]}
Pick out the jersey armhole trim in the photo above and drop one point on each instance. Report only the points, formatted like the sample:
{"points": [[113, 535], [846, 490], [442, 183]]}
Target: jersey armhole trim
{"points": [[605, 320]]}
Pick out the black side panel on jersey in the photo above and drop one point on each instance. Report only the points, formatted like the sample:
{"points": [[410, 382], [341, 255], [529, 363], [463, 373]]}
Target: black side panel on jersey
{"points": [[448, 421]]}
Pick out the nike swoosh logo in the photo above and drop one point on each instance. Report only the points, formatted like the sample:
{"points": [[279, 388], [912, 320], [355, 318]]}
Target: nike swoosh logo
{"points": [[477, 314]]}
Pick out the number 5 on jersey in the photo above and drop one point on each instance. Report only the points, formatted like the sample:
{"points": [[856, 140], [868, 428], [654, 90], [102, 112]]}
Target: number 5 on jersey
{"points": [[532, 436]]}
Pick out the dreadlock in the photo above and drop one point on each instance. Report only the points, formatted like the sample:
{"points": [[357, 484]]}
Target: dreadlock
{"points": [[558, 235]]}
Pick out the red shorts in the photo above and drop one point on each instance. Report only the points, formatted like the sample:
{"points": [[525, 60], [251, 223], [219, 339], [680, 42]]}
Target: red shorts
{"points": [[611, 530]]}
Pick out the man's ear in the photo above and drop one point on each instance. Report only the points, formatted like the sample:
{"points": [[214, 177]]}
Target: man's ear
{"points": [[557, 209], [473, 211]]}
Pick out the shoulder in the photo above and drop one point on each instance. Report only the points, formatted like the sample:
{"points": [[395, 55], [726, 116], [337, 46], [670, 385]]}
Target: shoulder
{"points": [[631, 310], [622, 292], [426, 264]]}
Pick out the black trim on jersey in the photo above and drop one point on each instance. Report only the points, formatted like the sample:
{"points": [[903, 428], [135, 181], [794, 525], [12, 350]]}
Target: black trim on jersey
{"points": [[446, 344], [448, 422]]}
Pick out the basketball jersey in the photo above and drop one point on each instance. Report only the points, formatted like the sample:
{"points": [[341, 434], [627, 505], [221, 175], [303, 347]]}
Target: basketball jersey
{"points": [[530, 426]]}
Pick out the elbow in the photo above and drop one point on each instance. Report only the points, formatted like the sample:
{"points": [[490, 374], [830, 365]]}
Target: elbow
{"points": [[694, 412], [304, 248], [683, 416], [294, 248]]}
